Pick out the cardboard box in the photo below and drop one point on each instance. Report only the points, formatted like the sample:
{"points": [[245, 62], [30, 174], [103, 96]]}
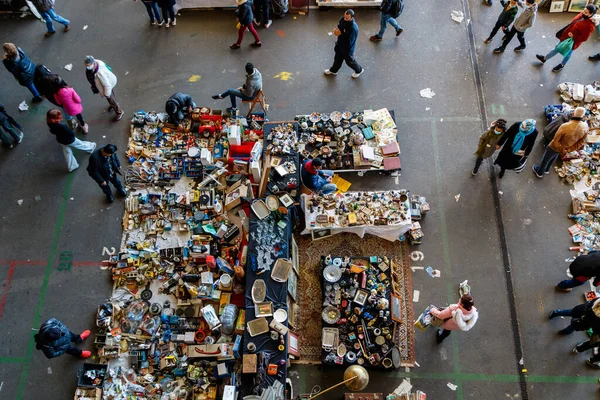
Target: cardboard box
{"points": [[88, 394], [235, 193], [234, 135]]}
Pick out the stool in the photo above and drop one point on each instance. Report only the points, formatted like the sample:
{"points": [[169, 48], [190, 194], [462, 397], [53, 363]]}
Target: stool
{"points": [[260, 99]]}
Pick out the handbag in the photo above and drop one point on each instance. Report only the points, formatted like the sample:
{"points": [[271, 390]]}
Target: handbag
{"points": [[560, 32], [565, 46], [437, 322]]}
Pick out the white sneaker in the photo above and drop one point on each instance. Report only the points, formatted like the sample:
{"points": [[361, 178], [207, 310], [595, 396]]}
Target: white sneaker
{"points": [[268, 24], [85, 128], [21, 138], [328, 72], [355, 75], [153, 23], [167, 24], [174, 22], [161, 23]]}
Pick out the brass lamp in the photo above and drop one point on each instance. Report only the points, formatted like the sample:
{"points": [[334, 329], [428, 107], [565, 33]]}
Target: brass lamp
{"points": [[355, 377]]}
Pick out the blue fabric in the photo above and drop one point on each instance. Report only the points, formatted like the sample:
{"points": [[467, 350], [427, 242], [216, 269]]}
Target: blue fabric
{"points": [[54, 348], [152, 8], [52, 15], [385, 19], [315, 182], [244, 14], [346, 42], [233, 93], [22, 69], [566, 57], [520, 138]]}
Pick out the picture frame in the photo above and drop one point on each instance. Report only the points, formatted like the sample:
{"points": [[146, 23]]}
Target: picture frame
{"points": [[291, 310], [557, 6], [396, 307], [292, 284], [263, 309], [318, 234], [275, 161], [361, 297], [293, 344], [295, 257], [577, 5]]}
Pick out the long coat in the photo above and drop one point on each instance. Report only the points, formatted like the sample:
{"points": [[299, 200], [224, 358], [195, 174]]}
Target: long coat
{"points": [[57, 347], [506, 159], [487, 143], [22, 69]]}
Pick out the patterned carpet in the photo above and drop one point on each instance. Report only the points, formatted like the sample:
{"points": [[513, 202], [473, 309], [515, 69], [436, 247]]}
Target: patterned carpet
{"points": [[309, 288]]}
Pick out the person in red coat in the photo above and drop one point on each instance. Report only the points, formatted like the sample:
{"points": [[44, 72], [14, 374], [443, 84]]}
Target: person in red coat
{"points": [[580, 29]]}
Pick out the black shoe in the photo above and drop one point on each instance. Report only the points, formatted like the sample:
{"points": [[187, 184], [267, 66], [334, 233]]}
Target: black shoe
{"points": [[592, 363], [217, 97], [123, 193], [234, 46], [558, 68], [595, 57], [520, 48], [110, 198], [565, 332], [256, 44], [37, 99], [438, 336], [541, 58], [399, 31], [499, 49], [475, 170], [553, 314], [110, 108], [375, 38]]}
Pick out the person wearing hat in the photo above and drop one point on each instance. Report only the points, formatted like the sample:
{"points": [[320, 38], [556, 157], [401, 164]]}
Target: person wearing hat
{"points": [[20, 65], [579, 29], [516, 144], [54, 339], [103, 81], [103, 167], [569, 137], [488, 142], [524, 21], [247, 92], [245, 17], [347, 34], [177, 106], [66, 137]]}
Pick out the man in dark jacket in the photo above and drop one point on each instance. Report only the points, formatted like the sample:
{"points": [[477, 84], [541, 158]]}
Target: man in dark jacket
{"points": [[9, 127], [46, 8], [523, 22], [247, 92], [347, 33], [22, 68], [66, 137], [584, 268], [177, 106], [103, 168], [390, 10], [54, 339], [551, 129], [506, 17]]}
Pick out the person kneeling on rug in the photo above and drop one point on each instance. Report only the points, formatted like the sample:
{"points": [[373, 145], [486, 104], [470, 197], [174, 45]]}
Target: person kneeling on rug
{"points": [[461, 316], [316, 178]]}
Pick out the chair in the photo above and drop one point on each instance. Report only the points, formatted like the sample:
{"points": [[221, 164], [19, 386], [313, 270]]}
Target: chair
{"points": [[261, 99]]}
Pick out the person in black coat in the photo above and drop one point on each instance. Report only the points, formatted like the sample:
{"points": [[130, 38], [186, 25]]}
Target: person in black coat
{"points": [[54, 339], [22, 68], [245, 18], [583, 268], [9, 127], [168, 12], [390, 10], [347, 34], [263, 9], [66, 137], [177, 106], [103, 168], [517, 143]]}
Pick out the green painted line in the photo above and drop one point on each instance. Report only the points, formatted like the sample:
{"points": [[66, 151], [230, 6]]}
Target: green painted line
{"points": [[12, 360], [493, 109], [44, 288]]}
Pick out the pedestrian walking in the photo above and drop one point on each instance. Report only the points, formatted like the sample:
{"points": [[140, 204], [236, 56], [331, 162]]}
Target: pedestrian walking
{"points": [[245, 19], [66, 137], [571, 37], [506, 17], [23, 69], [103, 81], [263, 10], [583, 268], [550, 130], [168, 12], [516, 144], [582, 316], [248, 91], [54, 339], [316, 178], [9, 128], [390, 10], [347, 33], [46, 8], [569, 137], [44, 79], [103, 167], [177, 106], [153, 13], [524, 21], [488, 142], [66, 97], [460, 316]]}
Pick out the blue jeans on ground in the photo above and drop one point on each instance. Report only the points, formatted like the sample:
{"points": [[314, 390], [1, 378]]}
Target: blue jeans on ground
{"points": [[571, 283], [52, 15], [152, 8], [168, 13], [33, 90], [546, 162], [328, 187], [233, 93], [116, 183], [566, 57], [6, 129], [385, 19]]}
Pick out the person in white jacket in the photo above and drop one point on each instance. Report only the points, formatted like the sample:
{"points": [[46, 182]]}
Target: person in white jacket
{"points": [[103, 81], [461, 316]]}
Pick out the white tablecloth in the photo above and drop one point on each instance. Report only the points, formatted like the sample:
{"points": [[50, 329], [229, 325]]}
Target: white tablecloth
{"points": [[204, 4]]}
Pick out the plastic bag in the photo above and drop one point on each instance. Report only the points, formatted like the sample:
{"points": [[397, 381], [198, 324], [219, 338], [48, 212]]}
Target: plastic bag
{"points": [[565, 46]]}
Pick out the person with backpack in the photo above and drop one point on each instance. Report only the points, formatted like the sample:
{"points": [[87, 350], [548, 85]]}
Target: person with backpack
{"points": [[488, 142], [390, 10], [9, 127], [54, 339], [347, 35], [46, 8], [506, 17], [572, 35], [103, 81], [460, 316], [245, 18], [23, 69], [523, 22]]}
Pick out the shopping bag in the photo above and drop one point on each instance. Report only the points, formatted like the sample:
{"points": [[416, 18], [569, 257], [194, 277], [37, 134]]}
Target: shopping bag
{"points": [[565, 46], [238, 26]]}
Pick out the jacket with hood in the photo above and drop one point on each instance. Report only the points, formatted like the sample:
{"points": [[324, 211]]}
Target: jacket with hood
{"points": [[177, 105], [581, 30], [23, 69], [53, 338], [457, 317], [42, 84], [551, 129], [68, 99], [101, 78], [253, 84], [526, 19], [244, 13], [588, 266], [488, 142], [508, 14], [570, 136], [590, 317]]}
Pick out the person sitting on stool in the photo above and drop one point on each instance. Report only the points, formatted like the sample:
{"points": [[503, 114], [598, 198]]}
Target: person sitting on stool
{"points": [[247, 92], [316, 178], [177, 106], [103, 168], [54, 339]]}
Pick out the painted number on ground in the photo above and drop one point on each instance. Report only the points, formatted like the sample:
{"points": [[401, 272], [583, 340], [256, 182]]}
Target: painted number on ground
{"points": [[65, 260], [417, 256]]}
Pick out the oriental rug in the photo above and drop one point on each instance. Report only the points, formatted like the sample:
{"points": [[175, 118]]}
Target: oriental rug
{"points": [[310, 301]]}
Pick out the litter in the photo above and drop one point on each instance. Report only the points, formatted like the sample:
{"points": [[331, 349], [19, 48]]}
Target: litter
{"points": [[20, 201], [464, 288], [457, 16], [416, 295], [500, 192], [71, 199], [427, 108], [85, 27], [38, 198], [69, 67], [23, 106], [452, 386], [404, 388], [49, 371], [126, 72], [427, 93], [330, 33], [457, 197], [434, 273]]}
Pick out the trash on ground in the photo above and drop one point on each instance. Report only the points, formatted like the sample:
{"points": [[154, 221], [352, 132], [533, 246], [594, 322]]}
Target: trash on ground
{"points": [[457, 16], [23, 106], [427, 93]]}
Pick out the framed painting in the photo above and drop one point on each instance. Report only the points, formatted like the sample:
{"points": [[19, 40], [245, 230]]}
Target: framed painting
{"points": [[577, 5], [396, 308]]}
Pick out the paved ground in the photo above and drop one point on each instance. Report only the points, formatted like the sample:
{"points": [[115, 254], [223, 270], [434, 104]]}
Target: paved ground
{"points": [[52, 247]]}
